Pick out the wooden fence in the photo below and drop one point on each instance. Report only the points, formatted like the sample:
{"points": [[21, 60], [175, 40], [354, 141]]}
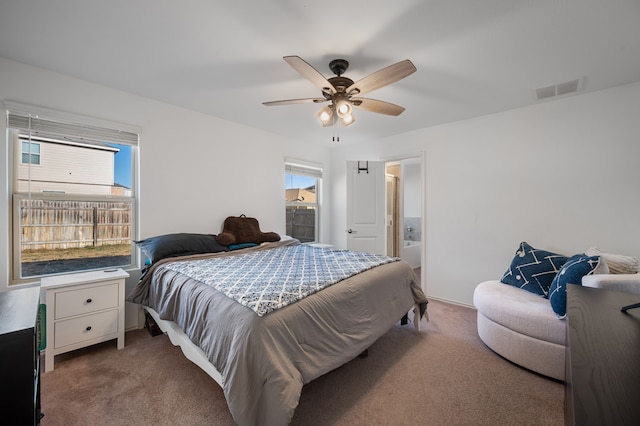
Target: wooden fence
{"points": [[46, 224], [301, 223]]}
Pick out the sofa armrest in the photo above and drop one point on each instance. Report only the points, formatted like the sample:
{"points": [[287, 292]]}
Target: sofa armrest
{"points": [[629, 283]]}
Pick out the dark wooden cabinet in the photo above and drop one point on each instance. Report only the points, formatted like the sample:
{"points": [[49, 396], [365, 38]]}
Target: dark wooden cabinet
{"points": [[603, 358], [19, 357]]}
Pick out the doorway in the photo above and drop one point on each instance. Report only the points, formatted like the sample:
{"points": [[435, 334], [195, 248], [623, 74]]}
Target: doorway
{"points": [[404, 210]]}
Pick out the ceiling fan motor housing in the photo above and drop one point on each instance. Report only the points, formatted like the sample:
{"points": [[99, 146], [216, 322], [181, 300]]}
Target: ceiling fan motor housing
{"points": [[340, 83], [339, 66]]}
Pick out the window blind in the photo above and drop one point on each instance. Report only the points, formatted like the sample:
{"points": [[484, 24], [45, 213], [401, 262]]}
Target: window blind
{"points": [[297, 169], [40, 127]]}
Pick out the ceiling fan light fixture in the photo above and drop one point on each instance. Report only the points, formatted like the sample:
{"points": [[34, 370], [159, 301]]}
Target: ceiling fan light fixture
{"points": [[343, 107], [348, 119], [326, 116]]}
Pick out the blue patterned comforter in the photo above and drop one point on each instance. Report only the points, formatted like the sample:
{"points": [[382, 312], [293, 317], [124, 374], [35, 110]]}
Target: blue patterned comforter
{"points": [[268, 280]]}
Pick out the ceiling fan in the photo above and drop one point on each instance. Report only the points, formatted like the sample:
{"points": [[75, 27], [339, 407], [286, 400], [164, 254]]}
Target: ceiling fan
{"points": [[343, 93]]}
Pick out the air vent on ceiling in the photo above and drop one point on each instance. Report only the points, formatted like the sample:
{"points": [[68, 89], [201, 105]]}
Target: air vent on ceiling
{"points": [[558, 89]]}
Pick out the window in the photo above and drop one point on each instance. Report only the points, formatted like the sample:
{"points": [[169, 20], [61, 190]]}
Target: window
{"points": [[73, 196], [30, 153], [302, 194]]}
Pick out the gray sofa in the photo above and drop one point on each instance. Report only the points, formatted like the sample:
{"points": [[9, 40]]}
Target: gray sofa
{"points": [[522, 327]]}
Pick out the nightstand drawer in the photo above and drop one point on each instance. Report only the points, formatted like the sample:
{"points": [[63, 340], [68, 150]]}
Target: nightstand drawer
{"points": [[85, 300], [84, 328]]}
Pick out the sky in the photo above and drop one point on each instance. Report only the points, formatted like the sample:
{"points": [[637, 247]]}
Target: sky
{"points": [[122, 172], [298, 181]]}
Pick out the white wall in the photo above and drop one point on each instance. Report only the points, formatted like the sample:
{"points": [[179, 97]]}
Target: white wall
{"points": [[562, 175], [411, 188], [195, 170]]}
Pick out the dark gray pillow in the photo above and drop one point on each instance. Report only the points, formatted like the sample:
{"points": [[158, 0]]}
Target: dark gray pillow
{"points": [[181, 244]]}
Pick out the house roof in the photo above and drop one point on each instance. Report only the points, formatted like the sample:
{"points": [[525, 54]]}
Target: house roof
{"points": [[224, 58], [300, 195], [80, 144]]}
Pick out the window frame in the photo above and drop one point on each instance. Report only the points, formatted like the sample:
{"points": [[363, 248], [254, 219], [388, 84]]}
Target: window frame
{"points": [[307, 169], [71, 121]]}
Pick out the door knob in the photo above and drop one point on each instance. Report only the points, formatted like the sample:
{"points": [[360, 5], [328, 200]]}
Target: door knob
{"points": [[350, 231]]}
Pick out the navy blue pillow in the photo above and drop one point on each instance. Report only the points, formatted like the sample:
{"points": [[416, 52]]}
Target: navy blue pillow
{"points": [[182, 244], [533, 270], [571, 273]]}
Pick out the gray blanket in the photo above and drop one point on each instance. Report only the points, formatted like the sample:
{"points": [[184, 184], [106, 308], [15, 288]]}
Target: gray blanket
{"points": [[264, 361]]}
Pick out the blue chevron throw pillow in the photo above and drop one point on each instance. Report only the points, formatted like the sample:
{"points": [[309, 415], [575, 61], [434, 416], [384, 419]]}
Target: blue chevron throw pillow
{"points": [[533, 270]]}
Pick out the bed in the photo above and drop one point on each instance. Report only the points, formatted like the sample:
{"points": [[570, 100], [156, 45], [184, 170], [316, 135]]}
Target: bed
{"points": [[262, 349]]}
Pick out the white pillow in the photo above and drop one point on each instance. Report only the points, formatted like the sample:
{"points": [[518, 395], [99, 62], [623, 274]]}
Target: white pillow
{"points": [[618, 263], [602, 268]]}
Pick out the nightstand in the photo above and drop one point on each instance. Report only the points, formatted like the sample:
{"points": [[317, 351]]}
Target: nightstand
{"points": [[83, 309], [19, 356]]}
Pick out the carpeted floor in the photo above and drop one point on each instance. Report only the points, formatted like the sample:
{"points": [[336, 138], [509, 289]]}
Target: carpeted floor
{"points": [[442, 376]]}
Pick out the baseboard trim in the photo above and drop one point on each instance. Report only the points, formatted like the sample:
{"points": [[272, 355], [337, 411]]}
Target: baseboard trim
{"points": [[453, 302]]}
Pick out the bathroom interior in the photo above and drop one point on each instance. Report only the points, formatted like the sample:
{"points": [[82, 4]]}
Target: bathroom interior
{"points": [[404, 210]]}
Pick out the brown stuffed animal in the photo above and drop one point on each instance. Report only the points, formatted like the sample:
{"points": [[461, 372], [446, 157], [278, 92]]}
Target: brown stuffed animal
{"points": [[243, 229]]}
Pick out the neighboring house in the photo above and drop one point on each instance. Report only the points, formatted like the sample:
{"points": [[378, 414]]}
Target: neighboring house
{"points": [[120, 190], [302, 195], [65, 167]]}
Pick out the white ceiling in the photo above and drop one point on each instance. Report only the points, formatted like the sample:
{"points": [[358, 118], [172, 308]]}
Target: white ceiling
{"points": [[224, 57]]}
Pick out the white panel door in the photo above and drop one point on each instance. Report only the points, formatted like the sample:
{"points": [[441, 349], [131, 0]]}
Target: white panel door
{"points": [[366, 206]]}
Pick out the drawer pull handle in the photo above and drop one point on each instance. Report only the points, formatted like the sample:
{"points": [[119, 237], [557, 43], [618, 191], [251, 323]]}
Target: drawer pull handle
{"points": [[89, 300], [88, 328]]}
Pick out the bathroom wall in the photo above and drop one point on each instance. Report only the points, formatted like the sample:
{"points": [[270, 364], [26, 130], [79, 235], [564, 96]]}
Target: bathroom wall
{"points": [[412, 229], [412, 206]]}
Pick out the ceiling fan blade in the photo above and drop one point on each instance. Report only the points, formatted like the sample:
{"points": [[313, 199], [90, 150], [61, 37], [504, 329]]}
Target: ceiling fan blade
{"points": [[374, 105], [296, 101], [310, 73], [383, 77]]}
